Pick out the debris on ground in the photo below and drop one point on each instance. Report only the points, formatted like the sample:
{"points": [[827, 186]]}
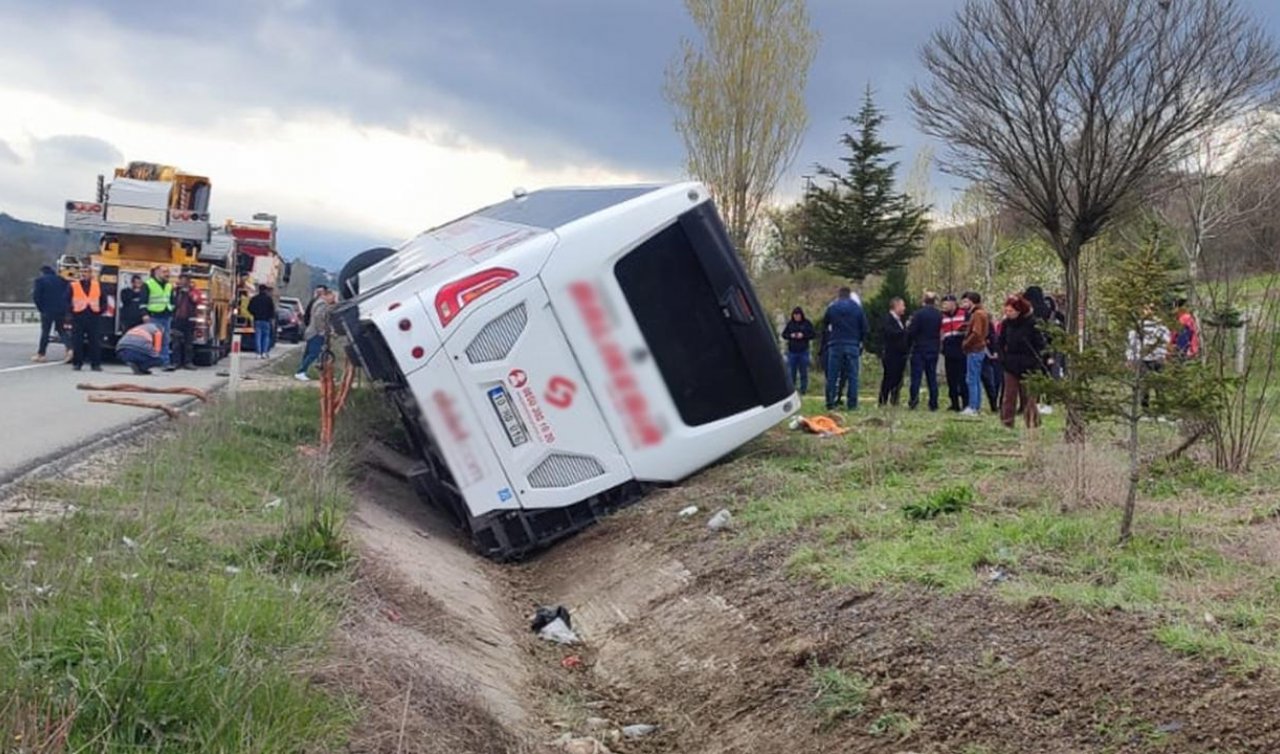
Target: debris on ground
{"points": [[598, 723], [692, 510], [638, 731], [558, 632], [273, 503], [582, 745], [545, 615], [721, 520], [823, 426], [170, 411], [996, 575], [572, 662]]}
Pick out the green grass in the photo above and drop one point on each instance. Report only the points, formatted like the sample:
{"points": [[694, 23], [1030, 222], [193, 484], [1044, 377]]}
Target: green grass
{"points": [[893, 724], [155, 618], [920, 500], [941, 502], [839, 695]]}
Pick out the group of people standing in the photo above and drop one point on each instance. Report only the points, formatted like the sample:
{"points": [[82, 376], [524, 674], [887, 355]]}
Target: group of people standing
{"points": [[151, 311], [980, 353], [158, 320]]}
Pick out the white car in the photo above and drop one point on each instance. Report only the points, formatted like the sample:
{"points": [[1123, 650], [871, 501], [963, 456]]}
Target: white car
{"points": [[554, 354]]}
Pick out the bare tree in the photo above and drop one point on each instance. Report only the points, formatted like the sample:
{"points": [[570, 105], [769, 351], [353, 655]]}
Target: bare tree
{"points": [[739, 101], [980, 230], [1068, 108], [1221, 183], [784, 238]]}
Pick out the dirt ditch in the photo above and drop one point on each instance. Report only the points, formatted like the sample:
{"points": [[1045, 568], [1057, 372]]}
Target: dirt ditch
{"points": [[706, 638]]}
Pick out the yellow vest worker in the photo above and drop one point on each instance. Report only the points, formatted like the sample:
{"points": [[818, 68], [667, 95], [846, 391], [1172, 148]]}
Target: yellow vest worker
{"points": [[159, 296]]}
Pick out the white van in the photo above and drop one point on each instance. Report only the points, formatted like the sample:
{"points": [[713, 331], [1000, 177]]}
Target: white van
{"points": [[554, 354]]}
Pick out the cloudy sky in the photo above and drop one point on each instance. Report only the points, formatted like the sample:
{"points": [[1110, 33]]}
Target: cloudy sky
{"points": [[361, 122]]}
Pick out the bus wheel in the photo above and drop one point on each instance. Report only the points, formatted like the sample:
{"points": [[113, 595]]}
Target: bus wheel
{"points": [[348, 282]]}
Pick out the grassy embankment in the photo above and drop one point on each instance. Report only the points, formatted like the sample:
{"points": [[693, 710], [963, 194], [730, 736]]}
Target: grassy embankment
{"points": [[181, 604], [920, 500]]}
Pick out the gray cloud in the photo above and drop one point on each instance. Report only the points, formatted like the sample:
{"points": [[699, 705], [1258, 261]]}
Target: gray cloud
{"points": [[76, 150], [551, 82]]}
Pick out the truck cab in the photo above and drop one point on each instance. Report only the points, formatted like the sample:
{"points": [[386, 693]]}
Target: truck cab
{"points": [[554, 355]]}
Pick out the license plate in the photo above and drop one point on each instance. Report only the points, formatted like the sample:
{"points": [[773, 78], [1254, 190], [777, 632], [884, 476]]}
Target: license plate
{"points": [[511, 422]]}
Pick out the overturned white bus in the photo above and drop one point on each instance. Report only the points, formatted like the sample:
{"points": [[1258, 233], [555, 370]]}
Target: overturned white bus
{"points": [[554, 354]]}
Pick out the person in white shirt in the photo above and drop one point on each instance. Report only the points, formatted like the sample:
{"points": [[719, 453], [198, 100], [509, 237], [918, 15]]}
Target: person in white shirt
{"points": [[1148, 351]]}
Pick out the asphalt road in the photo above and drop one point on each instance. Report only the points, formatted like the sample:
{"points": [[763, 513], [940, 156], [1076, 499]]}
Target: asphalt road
{"points": [[18, 345], [43, 415]]}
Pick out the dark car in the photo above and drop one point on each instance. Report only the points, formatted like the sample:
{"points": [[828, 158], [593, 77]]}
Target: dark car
{"points": [[288, 323]]}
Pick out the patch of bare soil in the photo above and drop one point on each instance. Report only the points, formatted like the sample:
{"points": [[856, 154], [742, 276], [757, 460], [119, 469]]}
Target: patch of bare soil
{"points": [[711, 641], [432, 646]]}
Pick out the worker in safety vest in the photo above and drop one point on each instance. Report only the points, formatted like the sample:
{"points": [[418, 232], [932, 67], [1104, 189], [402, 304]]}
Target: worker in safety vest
{"points": [[157, 304], [140, 347], [87, 305]]}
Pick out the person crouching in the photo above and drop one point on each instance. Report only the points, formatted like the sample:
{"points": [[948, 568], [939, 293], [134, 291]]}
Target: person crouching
{"points": [[140, 348]]}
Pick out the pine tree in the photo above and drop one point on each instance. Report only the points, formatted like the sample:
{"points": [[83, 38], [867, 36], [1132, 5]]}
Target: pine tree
{"points": [[858, 225]]}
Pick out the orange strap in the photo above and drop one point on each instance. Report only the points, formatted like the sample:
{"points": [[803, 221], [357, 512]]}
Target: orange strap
{"points": [[80, 300]]}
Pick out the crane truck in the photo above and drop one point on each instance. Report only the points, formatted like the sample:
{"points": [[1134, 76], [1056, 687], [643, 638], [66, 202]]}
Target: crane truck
{"points": [[152, 215]]}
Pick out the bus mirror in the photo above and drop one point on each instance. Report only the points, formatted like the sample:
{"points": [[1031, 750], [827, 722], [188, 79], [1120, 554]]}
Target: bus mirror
{"points": [[288, 272]]}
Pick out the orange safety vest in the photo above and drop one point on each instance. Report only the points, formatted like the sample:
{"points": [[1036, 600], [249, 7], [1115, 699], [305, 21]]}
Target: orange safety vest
{"points": [[81, 300]]}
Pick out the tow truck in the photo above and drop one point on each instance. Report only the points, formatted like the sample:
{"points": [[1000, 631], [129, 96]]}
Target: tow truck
{"points": [[555, 355], [151, 215]]}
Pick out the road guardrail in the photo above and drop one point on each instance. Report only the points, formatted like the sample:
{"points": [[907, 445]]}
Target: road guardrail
{"points": [[14, 313]]}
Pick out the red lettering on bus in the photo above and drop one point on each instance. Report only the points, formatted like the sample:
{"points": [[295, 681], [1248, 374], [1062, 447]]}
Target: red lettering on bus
{"points": [[623, 387], [451, 419]]}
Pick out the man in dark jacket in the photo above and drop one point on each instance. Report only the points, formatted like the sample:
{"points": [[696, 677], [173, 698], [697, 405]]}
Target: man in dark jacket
{"points": [[184, 325], [798, 334], [954, 322], [263, 310], [893, 353], [131, 304], [51, 295], [924, 333], [846, 328]]}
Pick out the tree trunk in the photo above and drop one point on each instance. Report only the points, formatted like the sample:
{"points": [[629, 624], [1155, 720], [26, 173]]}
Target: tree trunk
{"points": [[1131, 496], [1075, 429], [1193, 275]]}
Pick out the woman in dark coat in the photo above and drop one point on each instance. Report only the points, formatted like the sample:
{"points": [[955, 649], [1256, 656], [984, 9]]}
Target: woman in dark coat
{"points": [[798, 334], [1022, 353]]}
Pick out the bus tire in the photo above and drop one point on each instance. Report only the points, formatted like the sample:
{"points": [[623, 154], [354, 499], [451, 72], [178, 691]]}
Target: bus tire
{"points": [[357, 264]]}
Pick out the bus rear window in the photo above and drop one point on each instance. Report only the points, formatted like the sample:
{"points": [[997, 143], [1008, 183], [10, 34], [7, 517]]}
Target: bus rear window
{"points": [[692, 342]]}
